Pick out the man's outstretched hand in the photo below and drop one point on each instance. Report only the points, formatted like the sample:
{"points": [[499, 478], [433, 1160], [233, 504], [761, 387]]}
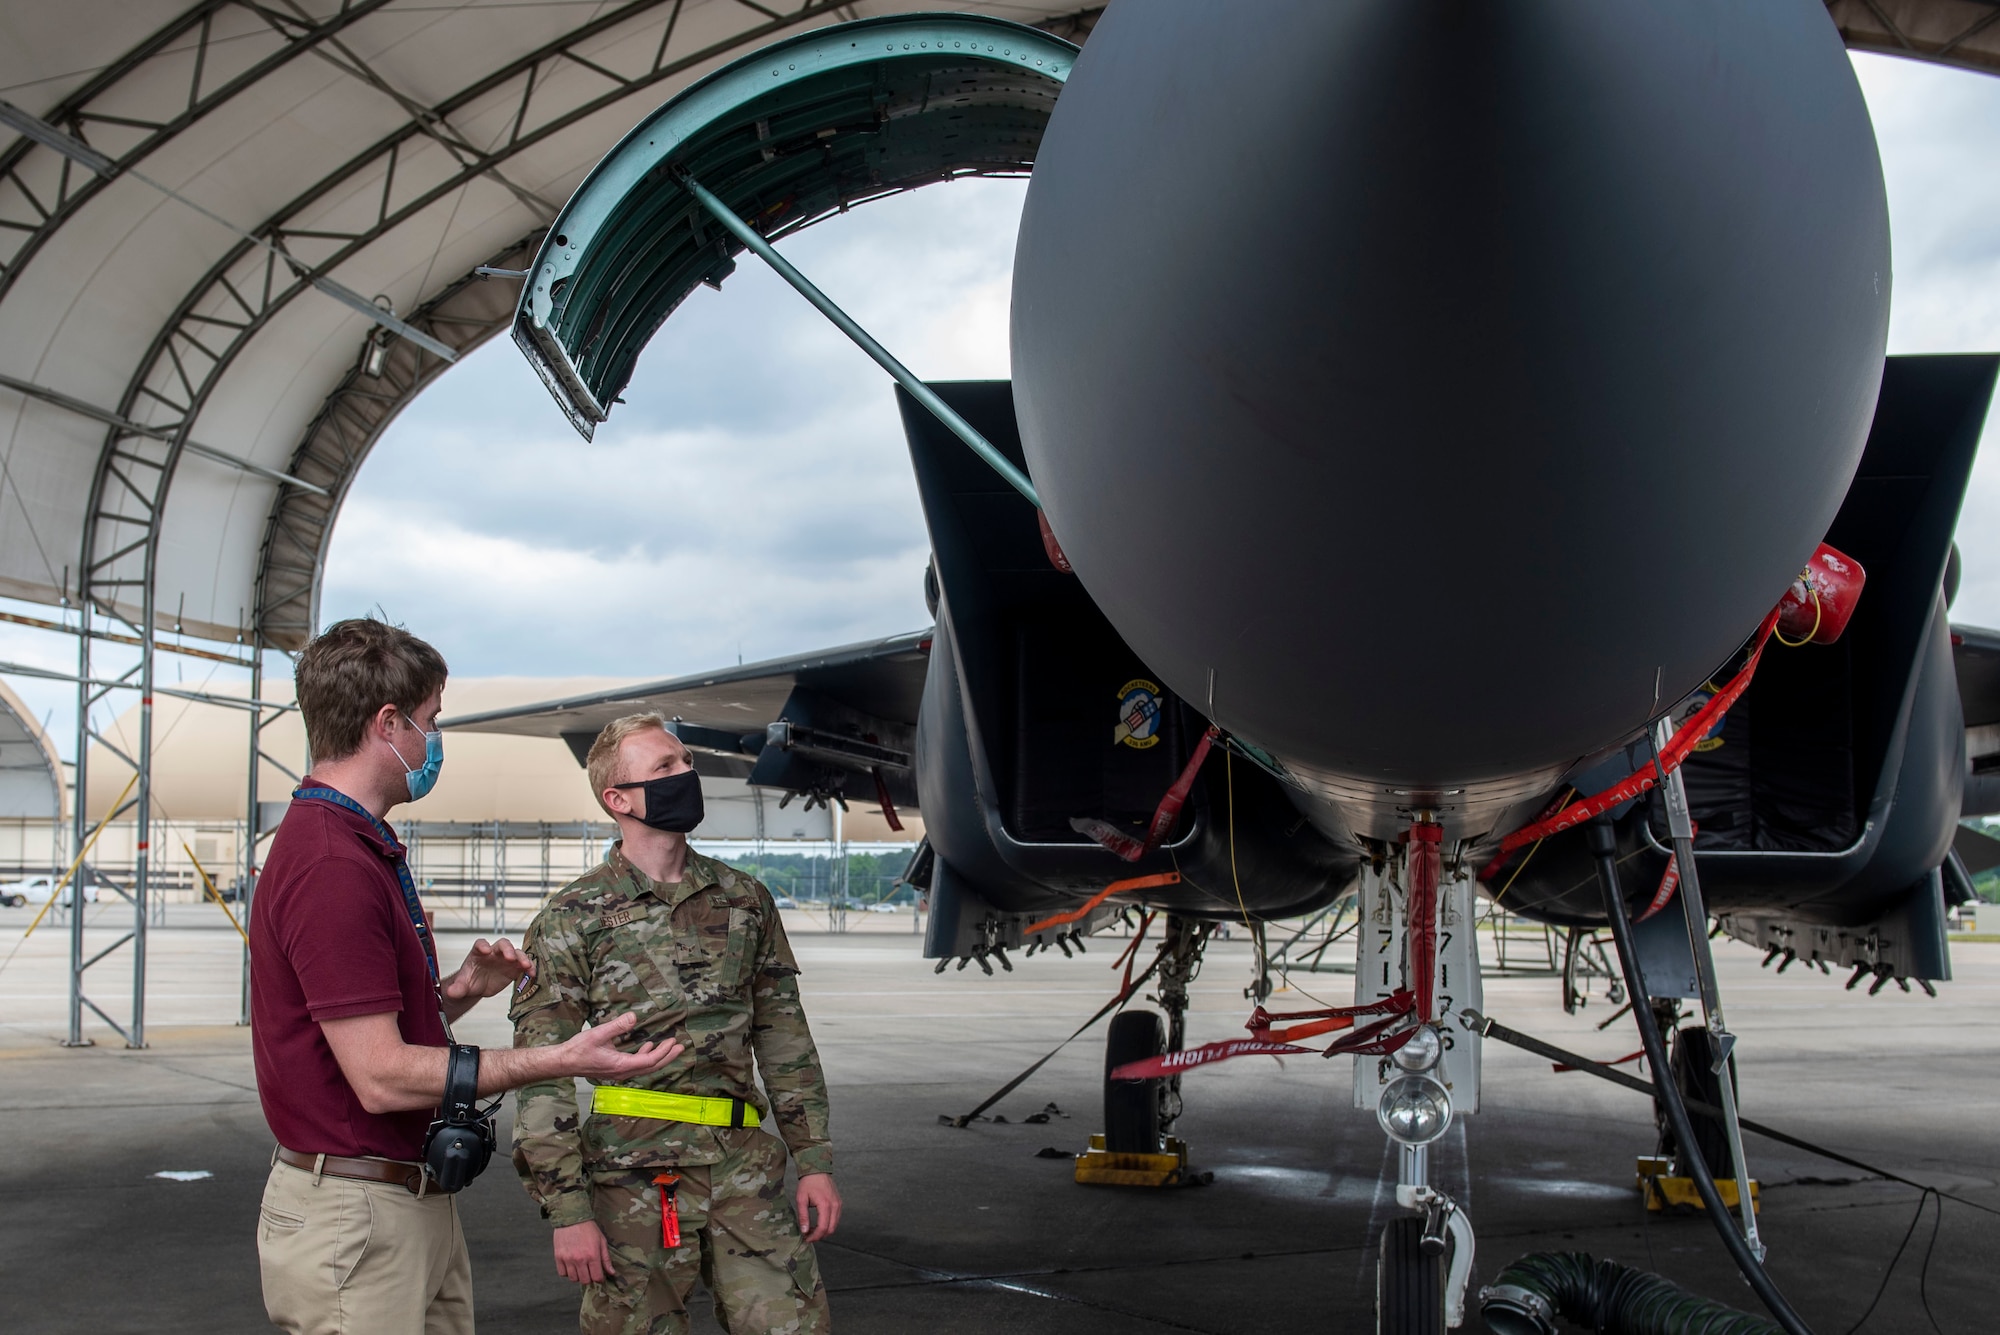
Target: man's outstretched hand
{"points": [[490, 968], [595, 1055], [582, 1254], [818, 1205]]}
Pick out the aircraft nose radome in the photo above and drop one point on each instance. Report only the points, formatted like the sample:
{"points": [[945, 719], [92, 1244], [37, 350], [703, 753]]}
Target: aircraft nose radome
{"points": [[1448, 378]]}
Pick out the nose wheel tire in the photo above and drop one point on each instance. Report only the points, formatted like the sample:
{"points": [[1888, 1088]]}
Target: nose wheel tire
{"points": [[1132, 1107], [1409, 1281]]}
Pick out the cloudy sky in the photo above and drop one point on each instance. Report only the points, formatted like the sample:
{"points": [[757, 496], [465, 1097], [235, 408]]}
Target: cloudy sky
{"points": [[753, 497], [753, 494]]}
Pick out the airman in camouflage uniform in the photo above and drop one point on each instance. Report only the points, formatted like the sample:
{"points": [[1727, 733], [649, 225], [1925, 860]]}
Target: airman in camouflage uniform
{"points": [[703, 960]]}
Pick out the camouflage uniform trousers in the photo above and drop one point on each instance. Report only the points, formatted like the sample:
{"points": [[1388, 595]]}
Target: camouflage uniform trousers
{"points": [[738, 1235]]}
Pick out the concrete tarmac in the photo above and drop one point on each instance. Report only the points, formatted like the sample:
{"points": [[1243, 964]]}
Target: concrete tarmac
{"points": [[969, 1231]]}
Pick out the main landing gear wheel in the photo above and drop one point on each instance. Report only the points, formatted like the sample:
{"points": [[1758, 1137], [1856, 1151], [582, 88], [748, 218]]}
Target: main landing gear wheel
{"points": [[1409, 1281], [1132, 1107]]}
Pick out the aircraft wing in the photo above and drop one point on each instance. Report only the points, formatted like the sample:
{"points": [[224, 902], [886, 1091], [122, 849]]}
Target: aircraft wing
{"points": [[841, 721], [1975, 653]]}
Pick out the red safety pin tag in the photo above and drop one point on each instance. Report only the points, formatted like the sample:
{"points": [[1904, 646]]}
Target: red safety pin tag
{"points": [[670, 1211]]}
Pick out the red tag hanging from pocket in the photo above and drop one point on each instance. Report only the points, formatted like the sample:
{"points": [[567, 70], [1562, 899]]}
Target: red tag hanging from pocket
{"points": [[670, 1211]]}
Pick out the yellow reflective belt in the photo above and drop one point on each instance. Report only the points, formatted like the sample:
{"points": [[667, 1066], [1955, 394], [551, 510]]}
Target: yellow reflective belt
{"points": [[624, 1101]]}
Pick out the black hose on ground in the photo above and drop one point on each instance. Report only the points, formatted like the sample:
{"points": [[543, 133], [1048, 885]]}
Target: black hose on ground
{"points": [[1605, 1297], [1604, 847]]}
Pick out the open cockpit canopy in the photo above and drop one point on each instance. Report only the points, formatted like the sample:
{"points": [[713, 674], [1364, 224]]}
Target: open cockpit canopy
{"points": [[798, 132]]}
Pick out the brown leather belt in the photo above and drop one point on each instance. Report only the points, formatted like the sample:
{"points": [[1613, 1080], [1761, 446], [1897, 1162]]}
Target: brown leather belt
{"points": [[395, 1172]]}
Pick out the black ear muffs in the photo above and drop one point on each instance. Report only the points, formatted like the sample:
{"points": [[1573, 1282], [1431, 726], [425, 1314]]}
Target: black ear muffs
{"points": [[460, 1144]]}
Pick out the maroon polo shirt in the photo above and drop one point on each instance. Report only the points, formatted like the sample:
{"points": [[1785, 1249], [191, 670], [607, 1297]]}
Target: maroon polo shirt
{"points": [[330, 937]]}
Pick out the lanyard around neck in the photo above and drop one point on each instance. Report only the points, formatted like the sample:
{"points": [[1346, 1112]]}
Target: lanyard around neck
{"points": [[411, 904]]}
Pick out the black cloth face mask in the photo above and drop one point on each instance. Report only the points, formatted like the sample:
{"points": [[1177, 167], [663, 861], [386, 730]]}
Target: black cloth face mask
{"points": [[673, 803]]}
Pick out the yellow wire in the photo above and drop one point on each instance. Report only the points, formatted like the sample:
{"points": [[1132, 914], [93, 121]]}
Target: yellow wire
{"points": [[1819, 611], [1522, 864], [1256, 940], [1229, 782]]}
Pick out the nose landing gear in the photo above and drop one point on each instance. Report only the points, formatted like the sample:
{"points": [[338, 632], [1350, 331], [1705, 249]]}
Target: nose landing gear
{"points": [[1425, 1260], [1417, 915]]}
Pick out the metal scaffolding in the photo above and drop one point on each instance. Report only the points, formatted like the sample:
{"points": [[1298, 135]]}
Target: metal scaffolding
{"points": [[137, 890]]}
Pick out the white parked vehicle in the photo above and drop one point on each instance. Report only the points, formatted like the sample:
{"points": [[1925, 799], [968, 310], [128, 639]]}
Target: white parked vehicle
{"points": [[36, 890]]}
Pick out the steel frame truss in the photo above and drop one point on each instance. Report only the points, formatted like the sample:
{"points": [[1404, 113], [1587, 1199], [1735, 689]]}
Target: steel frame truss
{"points": [[353, 418], [24, 214], [89, 692], [248, 287], [1938, 31]]}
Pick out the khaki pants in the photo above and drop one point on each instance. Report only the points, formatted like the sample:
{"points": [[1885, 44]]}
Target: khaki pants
{"points": [[341, 1257]]}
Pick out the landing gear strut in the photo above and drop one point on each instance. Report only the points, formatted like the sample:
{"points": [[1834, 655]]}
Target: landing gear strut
{"points": [[1182, 961], [1693, 1066], [1139, 1115], [1416, 909], [1136, 1149]]}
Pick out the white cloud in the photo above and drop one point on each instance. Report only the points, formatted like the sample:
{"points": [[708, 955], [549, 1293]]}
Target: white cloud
{"points": [[753, 494]]}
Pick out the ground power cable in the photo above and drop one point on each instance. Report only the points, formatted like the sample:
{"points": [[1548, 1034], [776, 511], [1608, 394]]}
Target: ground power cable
{"points": [[1603, 846], [1923, 1276], [1493, 1029]]}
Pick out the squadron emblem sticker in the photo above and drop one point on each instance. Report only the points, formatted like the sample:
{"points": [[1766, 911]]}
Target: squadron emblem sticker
{"points": [[1138, 714]]}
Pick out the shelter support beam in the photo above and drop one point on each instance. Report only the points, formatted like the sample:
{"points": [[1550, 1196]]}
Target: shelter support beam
{"points": [[85, 156], [80, 773], [111, 637], [251, 817], [109, 418], [142, 857], [199, 697]]}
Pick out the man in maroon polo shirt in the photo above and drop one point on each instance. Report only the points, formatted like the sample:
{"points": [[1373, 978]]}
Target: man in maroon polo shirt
{"points": [[350, 1016]]}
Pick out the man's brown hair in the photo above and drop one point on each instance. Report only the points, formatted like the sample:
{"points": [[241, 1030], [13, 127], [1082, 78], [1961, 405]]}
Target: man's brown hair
{"points": [[353, 668], [602, 762]]}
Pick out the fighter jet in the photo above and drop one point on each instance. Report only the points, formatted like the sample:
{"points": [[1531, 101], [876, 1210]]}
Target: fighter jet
{"points": [[1450, 455]]}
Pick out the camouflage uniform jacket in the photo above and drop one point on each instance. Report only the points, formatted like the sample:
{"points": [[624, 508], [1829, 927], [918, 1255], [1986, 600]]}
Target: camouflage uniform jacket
{"points": [[703, 960]]}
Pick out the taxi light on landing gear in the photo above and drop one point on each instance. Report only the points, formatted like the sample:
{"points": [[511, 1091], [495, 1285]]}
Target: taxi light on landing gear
{"points": [[1422, 1051], [1415, 1110]]}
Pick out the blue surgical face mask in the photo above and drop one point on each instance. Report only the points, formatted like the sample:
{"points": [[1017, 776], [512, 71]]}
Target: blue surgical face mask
{"points": [[424, 778]]}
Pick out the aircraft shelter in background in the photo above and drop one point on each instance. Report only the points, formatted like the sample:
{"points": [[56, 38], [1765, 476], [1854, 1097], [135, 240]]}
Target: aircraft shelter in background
{"points": [[237, 239]]}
